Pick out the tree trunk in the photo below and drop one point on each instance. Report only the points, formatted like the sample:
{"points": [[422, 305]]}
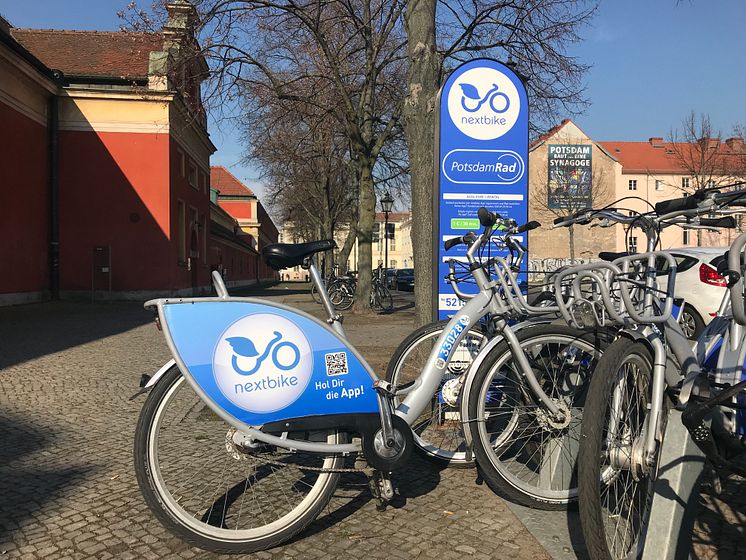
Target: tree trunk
{"points": [[571, 236], [419, 119], [344, 253], [366, 218]]}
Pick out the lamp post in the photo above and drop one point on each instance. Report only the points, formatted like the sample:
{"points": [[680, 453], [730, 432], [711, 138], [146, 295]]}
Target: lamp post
{"points": [[386, 203]]}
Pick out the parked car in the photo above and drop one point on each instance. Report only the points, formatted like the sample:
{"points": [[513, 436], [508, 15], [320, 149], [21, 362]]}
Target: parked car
{"points": [[391, 278], [698, 282], [405, 279]]}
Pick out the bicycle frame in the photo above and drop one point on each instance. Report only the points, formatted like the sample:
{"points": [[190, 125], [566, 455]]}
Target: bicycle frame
{"points": [[415, 397]]}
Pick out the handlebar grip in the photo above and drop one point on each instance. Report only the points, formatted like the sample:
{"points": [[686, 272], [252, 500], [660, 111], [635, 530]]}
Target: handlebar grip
{"points": [[487, 218], [680, 204], [451, 243], [528, 227], [725, 222]]}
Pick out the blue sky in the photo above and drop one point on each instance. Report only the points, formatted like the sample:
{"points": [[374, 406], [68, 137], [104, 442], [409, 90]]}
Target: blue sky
{"points": [[653, 62]]}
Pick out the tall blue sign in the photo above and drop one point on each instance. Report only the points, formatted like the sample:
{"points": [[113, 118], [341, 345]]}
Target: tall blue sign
{"points": [[482, 157]]}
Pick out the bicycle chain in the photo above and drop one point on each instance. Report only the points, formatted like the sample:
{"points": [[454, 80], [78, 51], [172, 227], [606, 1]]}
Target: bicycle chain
{"points": [[236, 451], [314, 469]]}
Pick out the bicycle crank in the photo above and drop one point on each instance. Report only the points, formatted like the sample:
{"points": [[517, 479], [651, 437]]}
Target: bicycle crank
{"points": [[386, 455]]}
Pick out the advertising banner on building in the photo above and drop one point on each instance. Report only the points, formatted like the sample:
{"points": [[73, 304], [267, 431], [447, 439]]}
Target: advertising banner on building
{"points": [[569, 176], [482, 158]]}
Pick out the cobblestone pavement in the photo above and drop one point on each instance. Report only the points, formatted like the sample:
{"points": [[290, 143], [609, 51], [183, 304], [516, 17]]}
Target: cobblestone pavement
{"points": [[67, 485]]}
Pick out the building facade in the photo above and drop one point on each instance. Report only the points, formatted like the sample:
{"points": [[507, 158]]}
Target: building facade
{"points": [[108, 154], [570, 171]]}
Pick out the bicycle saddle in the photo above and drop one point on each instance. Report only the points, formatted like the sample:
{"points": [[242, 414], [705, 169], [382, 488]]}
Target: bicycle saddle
{"points": [[612, 256], [288, 255]]}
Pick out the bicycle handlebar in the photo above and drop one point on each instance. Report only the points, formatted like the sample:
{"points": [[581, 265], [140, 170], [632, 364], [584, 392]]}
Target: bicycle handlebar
{"points": [[724, 222], [528, 227]]}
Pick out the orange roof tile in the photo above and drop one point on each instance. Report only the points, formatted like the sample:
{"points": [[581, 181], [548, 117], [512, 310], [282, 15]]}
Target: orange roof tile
{"points": [[393, 216], [227, 183], [91, 53], [657, 156]]}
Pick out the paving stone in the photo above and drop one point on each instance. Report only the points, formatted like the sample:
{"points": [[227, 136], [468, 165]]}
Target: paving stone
{"points": [[67, 482]]}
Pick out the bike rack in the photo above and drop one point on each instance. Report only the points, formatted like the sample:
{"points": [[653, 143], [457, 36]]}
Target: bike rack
{"points": [[675, 494]]}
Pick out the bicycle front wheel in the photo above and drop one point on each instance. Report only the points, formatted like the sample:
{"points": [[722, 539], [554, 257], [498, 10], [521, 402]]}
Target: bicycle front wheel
{"points": [[438, 432], [215, 489], [523, 452], [616, 483]]}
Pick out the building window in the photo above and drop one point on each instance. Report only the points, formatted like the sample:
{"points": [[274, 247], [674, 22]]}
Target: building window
{"points": [[633, 184], [658, 185], [685, 237], [193, 175], [376, 238], [685, 183], [392, 264], [632, 244], [181, 231], [182, 163], [194, 243], [204, 238]]}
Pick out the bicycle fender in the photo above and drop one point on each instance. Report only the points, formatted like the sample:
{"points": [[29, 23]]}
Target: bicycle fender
{"points": [[158, 374], [221, 347], [147, 382], [469, 380]]}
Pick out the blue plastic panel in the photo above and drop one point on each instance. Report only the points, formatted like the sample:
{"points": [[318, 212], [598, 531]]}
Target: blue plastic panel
{"points": [[262, 363]]}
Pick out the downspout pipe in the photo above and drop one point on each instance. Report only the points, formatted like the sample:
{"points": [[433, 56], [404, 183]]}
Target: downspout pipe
{"points": [[54, 198]]}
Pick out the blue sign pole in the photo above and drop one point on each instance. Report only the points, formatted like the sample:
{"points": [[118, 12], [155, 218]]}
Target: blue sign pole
{"points": [[482, 158]]}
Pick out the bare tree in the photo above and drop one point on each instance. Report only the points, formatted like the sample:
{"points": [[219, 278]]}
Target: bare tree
{"points": [[708, 162], [305, 158], [351, 51], [534, 35], [567, 189]]}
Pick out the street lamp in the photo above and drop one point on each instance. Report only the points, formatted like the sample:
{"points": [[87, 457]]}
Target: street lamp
{"points": [[386, 203]]}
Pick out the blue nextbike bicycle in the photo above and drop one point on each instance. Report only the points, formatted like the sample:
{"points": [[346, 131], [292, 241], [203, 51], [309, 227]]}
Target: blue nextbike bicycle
{"points": [[242, 439]]}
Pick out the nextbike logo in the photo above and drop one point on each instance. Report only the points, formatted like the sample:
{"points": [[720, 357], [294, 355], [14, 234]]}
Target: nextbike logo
{"points": [[483, 103], [262, 363]]}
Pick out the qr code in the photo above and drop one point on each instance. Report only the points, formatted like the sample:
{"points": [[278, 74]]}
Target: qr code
{"points": [[336, 364]]}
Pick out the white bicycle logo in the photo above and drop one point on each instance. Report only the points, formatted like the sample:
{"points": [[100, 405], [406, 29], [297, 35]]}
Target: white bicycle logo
{"points": [[471, 92], [244, 347]]}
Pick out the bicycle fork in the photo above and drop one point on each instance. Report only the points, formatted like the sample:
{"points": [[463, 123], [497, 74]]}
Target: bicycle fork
{"points": [[527, 372]]}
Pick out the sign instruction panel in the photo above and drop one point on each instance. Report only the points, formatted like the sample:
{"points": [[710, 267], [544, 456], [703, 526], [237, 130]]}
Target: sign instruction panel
{"points": [[482, 157]]}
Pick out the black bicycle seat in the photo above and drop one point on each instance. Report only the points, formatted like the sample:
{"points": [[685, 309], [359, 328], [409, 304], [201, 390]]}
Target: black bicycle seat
{"points": [[288, 255]]}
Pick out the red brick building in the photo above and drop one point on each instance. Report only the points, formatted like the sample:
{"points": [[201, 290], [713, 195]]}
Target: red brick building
{"points": [[104, 166]]}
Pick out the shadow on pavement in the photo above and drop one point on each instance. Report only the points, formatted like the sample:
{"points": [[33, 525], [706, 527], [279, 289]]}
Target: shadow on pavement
{"points": [[30, 476], [35, 330], [417, 478]]}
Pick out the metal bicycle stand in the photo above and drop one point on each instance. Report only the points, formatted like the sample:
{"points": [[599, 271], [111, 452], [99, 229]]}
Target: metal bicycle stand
{"points": [[675, 496]]}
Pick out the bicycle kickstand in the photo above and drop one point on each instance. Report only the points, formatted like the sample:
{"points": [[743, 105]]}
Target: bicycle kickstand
{"points": [[381, 488]]}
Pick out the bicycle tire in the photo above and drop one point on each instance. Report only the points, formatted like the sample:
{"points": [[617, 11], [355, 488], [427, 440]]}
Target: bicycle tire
{"points": [[522, 453], [442, 443], [315, 294], [155, 459], [595, 473], [385, 299], [341, 294]]}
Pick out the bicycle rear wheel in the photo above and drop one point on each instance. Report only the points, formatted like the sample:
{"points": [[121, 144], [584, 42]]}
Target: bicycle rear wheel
{"points": [[213, 488], [385, 301], [615, 484], [522, 451]]}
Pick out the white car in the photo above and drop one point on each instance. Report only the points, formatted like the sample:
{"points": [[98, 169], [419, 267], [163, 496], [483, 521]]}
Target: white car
{"points": [[698, 282]]}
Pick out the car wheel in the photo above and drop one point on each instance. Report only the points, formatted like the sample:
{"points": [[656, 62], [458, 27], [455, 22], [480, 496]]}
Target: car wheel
{"points": [[691, 322]]}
